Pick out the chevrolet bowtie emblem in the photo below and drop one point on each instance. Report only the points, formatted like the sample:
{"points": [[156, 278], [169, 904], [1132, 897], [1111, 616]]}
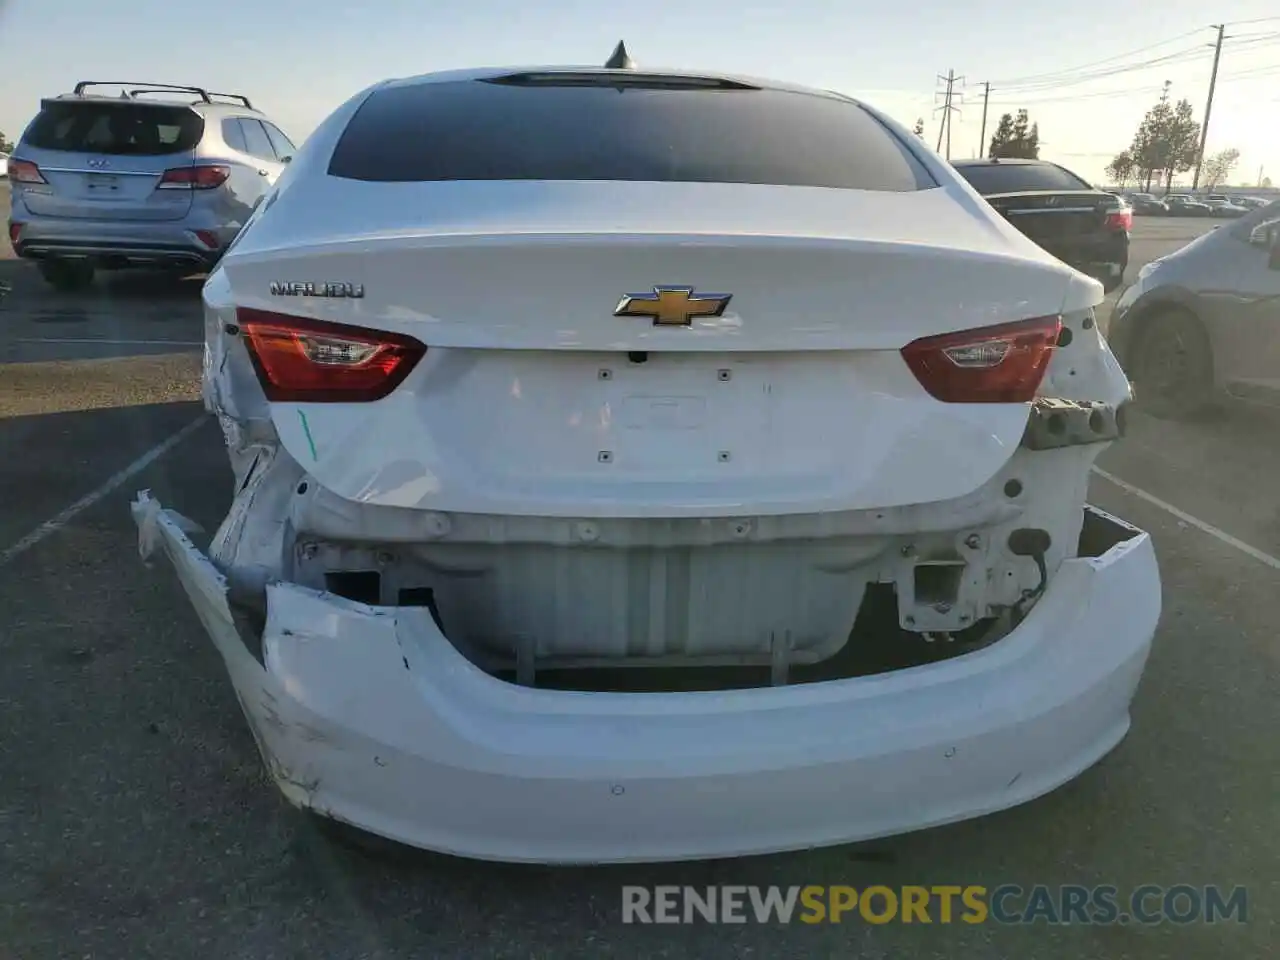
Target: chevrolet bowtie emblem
{"points": [[672, 306]]}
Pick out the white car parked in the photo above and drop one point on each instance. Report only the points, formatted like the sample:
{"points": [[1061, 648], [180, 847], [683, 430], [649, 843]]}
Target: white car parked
{"points": [[643, 465]]}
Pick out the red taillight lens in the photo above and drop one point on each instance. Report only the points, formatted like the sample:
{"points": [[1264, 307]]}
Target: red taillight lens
{"points": [[1120, 220], [15, 231], [313, 361], [24, 171], [204, 177], [1000, 364]]}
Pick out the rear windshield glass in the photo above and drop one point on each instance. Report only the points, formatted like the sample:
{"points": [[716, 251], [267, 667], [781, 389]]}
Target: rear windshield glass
{"points": [[120, 129], [477, 130], [990, 178]]}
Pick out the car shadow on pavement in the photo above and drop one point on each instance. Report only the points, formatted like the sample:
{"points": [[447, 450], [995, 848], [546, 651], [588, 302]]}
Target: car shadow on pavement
{"points": [[20, 281]]}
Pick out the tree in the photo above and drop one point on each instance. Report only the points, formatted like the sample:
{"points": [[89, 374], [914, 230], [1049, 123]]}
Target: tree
{"points": [[1149, 148], [1121, 169], [1219, 166], [6, 145], [1015, 136], [1184, 143], [918, 129], [1002, 137], [1167, 142], [1266, 183]]}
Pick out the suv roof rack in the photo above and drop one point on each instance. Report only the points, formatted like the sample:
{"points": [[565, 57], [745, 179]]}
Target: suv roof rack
{"points": [[147, 86], [233, 96], [131, 92]]}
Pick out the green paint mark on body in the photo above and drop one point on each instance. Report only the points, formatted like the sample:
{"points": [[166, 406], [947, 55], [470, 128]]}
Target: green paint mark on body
{"points": [[306, 428]]}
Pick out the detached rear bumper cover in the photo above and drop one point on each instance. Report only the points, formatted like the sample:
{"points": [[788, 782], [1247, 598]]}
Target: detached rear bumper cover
{"points": [[369, 715]]}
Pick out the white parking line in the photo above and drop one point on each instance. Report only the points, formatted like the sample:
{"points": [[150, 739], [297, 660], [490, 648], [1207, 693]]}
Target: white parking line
{"points": [[167, 343], [1188, 519], [56, 523]]}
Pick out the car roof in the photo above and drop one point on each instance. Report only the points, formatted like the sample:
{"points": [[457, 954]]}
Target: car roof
{"points": [[490, 73]]}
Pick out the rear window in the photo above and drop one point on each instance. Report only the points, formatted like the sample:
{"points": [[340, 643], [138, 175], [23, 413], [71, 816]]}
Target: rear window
{"points": [[478, 130], [988, 178], [124, 129]]}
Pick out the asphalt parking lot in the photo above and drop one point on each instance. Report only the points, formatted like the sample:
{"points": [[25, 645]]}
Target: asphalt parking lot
{"points": [[136, 820]]}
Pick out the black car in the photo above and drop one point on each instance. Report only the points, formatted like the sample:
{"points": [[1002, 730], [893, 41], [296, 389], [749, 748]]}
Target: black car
{"points": [[1203, 324], [1079, 224], [1145, 205], [1182, 205]]}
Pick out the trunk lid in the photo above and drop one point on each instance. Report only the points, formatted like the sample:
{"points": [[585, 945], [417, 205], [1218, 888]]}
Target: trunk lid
{"points": [[102, 159], [1058, 215], [535, 398]]}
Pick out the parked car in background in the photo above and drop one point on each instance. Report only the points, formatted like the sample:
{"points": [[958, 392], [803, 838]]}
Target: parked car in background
{"points": [[1078, 223], [1225, 207], [1185, 205], [1204, 323], [628, 493], [1145, 205], [159, 175], [4, 166], [1252, 202]]}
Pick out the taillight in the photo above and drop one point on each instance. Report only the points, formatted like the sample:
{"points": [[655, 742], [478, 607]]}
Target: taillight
{"points": [[24, 171], [314, 361], [1000, 364], [15, 231], [1120, 219], [204, 177]]}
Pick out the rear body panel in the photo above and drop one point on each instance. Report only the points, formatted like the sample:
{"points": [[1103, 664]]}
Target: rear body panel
{"points": [[92, 187], [1072, 225], [795, 398]]}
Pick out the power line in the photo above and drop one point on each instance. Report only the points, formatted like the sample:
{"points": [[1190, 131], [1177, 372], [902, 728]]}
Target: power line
{"points": [[1067, 80], [1255, 73], [1242, 23], [1096, 95], [1256, 37], [1093, 63]]}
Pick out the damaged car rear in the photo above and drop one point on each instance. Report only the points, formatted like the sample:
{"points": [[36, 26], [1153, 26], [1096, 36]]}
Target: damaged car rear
{"points": [[701, 472]]}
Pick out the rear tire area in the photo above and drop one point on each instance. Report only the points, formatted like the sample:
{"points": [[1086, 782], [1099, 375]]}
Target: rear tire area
{"points": [[1171, 365], [67, 275]]}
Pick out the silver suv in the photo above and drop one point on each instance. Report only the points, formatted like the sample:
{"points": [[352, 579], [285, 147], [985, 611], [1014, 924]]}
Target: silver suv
{"points": [[146, 177]]}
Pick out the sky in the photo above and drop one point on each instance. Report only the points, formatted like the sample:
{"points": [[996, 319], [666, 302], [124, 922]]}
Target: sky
{"points": [[1083, 69]]}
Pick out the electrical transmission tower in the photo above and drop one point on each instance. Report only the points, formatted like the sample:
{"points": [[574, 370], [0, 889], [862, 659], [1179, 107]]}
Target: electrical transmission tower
{"points": [[952, 99]]}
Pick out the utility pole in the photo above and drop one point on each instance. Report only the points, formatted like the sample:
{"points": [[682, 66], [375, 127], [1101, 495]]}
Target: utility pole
{"points": [[1208, 107], [947, 108], [982, 137]]}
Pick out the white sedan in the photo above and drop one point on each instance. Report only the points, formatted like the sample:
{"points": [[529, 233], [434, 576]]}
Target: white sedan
{"points": [[639, 465]]}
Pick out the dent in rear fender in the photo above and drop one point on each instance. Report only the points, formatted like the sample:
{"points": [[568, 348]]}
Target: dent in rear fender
{"points": [[1083, 367]]}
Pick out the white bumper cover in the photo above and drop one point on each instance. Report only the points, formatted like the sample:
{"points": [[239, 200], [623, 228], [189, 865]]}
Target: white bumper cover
{"points": [[369, 715]]}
